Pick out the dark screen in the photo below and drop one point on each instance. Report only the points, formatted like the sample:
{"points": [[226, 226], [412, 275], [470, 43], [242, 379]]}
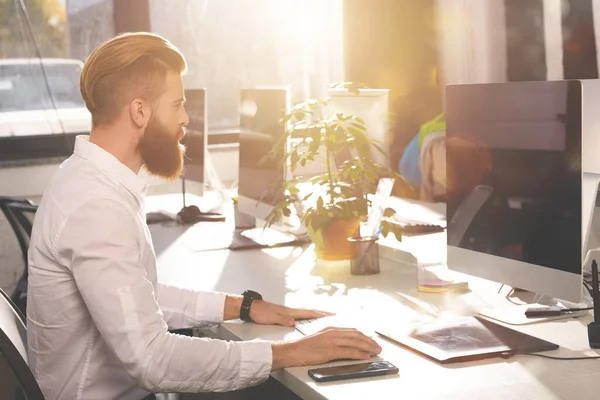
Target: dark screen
{"points": [[195, 138], [522, 140], [353, 368], [261, 131]]}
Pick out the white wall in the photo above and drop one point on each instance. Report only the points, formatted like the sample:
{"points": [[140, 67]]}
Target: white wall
{"points": [[233, 44], [472, 40], [596, 11], [553, 39]]}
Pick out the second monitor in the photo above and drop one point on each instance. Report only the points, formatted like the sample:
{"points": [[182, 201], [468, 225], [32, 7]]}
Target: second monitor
{"points": [[521, 181], [261, 131], [196, 138]]}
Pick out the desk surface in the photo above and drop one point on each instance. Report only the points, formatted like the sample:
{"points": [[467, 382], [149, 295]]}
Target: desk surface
{"points": [[291, 276]]}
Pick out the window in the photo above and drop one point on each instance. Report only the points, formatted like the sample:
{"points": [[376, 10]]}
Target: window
{"points": [[23, 85], [229, 45], [235, 44], [39, 78]]}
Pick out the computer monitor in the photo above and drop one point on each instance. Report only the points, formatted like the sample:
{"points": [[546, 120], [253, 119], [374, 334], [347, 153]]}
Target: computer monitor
{"points": [[261, 129], [372, 106], [522, 179], [195, 141]]}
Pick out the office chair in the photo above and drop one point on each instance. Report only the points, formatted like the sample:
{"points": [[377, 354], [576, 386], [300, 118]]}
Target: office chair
{"points": [[13, 305], [16, 212], [468, 209], [13, 346]]}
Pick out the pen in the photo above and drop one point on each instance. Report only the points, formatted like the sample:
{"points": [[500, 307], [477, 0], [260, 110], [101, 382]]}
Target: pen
{"points": [[371, 243]]}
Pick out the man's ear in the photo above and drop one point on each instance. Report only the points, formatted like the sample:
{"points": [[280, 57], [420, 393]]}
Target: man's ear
{"points": [[140, 112]]}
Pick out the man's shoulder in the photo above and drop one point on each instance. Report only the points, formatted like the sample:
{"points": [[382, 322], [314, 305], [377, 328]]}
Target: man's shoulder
{"points": [[78, 182]]}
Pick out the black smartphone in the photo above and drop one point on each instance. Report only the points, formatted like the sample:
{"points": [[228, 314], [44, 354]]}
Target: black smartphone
{"points": [[351, 371]]}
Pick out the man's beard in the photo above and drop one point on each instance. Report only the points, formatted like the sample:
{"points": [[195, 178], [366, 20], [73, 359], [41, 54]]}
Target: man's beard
{"points": [[161, 151]]}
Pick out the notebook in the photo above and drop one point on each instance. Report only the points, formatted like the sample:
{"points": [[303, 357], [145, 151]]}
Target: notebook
{"points": [[465, 339]]}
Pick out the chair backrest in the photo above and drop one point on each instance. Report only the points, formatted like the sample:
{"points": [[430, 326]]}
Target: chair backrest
{"points": [[16, 212], [13, 346], [14, 306], [468, 209]]}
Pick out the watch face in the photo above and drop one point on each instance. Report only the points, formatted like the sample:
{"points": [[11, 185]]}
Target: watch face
{"points": [[252, 294]]}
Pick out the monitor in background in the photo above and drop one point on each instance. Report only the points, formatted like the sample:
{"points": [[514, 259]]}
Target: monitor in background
{"points": [[261, 130], [196, 141], [371, 105], [517, 174]]}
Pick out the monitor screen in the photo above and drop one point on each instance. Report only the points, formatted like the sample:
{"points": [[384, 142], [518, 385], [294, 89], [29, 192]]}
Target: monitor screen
{"points": [[261, 130], [371, 105], [513, 171], [195, 139]]}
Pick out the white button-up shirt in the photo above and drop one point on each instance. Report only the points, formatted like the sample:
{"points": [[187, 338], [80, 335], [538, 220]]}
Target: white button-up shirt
{"points": [[97, 319]]}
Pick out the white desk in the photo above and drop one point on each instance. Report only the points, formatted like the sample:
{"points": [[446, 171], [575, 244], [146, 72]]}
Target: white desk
{"points": [[289, 276]]}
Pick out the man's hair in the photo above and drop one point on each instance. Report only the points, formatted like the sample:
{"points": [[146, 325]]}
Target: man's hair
{"points": [[129, 66]]}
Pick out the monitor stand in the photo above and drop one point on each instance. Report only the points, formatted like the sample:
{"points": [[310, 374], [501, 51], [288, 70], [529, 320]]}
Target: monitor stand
{"points": [[513, 313], [184, 207], [261, 236], [268, 237]]}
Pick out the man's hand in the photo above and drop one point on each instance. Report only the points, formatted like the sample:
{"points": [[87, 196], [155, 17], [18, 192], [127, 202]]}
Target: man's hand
{"points": [[266, 313], [327, 345]]}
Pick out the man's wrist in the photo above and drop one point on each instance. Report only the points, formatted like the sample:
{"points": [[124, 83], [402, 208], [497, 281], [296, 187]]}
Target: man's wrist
{"points": [[233, 303], [284, 355]]}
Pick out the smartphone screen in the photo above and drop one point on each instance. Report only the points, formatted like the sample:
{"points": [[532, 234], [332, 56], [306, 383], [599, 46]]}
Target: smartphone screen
{"points": [[351, 371]]}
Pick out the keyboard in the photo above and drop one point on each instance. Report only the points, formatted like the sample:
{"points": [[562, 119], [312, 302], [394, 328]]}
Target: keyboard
{"points": [[221, 237], [309, 327], [263, 238], [408, 229], [416, 218]]}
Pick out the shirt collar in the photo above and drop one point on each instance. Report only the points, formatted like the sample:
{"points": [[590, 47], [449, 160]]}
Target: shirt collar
{"points": [[108, 163]]}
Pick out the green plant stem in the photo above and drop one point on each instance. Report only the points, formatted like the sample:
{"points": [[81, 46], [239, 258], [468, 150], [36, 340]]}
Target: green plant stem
{"points": [[330, 174]]}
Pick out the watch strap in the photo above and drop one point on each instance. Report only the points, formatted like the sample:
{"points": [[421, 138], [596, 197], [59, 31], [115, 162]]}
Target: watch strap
{"points": [[249, 297]]}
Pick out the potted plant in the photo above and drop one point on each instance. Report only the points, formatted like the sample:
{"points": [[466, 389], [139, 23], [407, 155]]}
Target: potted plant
{"points": [[335, 202]]}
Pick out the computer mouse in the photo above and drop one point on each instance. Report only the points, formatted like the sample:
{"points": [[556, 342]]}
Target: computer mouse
{"points": [[192, 215]]}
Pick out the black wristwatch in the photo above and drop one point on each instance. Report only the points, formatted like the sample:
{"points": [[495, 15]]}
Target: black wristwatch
{"points": [[249, 297]]}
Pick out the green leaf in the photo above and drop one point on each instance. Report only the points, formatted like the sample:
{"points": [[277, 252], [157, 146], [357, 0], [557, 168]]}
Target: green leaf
{"points": [[346, 191], [358, 126], [378, 148], [389, 212], [398, 234], [294, 158], [313, 147], [320, 202], [370, 174], [385, 229], [315, 221], [357, 133]]}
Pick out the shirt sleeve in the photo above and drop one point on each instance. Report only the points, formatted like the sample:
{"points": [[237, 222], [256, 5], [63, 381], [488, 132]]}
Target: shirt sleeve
{"points": [[184, 308], [100, 243]]}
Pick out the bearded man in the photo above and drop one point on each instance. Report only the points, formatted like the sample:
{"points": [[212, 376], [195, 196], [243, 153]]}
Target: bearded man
{"points": [[97, 319]]}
